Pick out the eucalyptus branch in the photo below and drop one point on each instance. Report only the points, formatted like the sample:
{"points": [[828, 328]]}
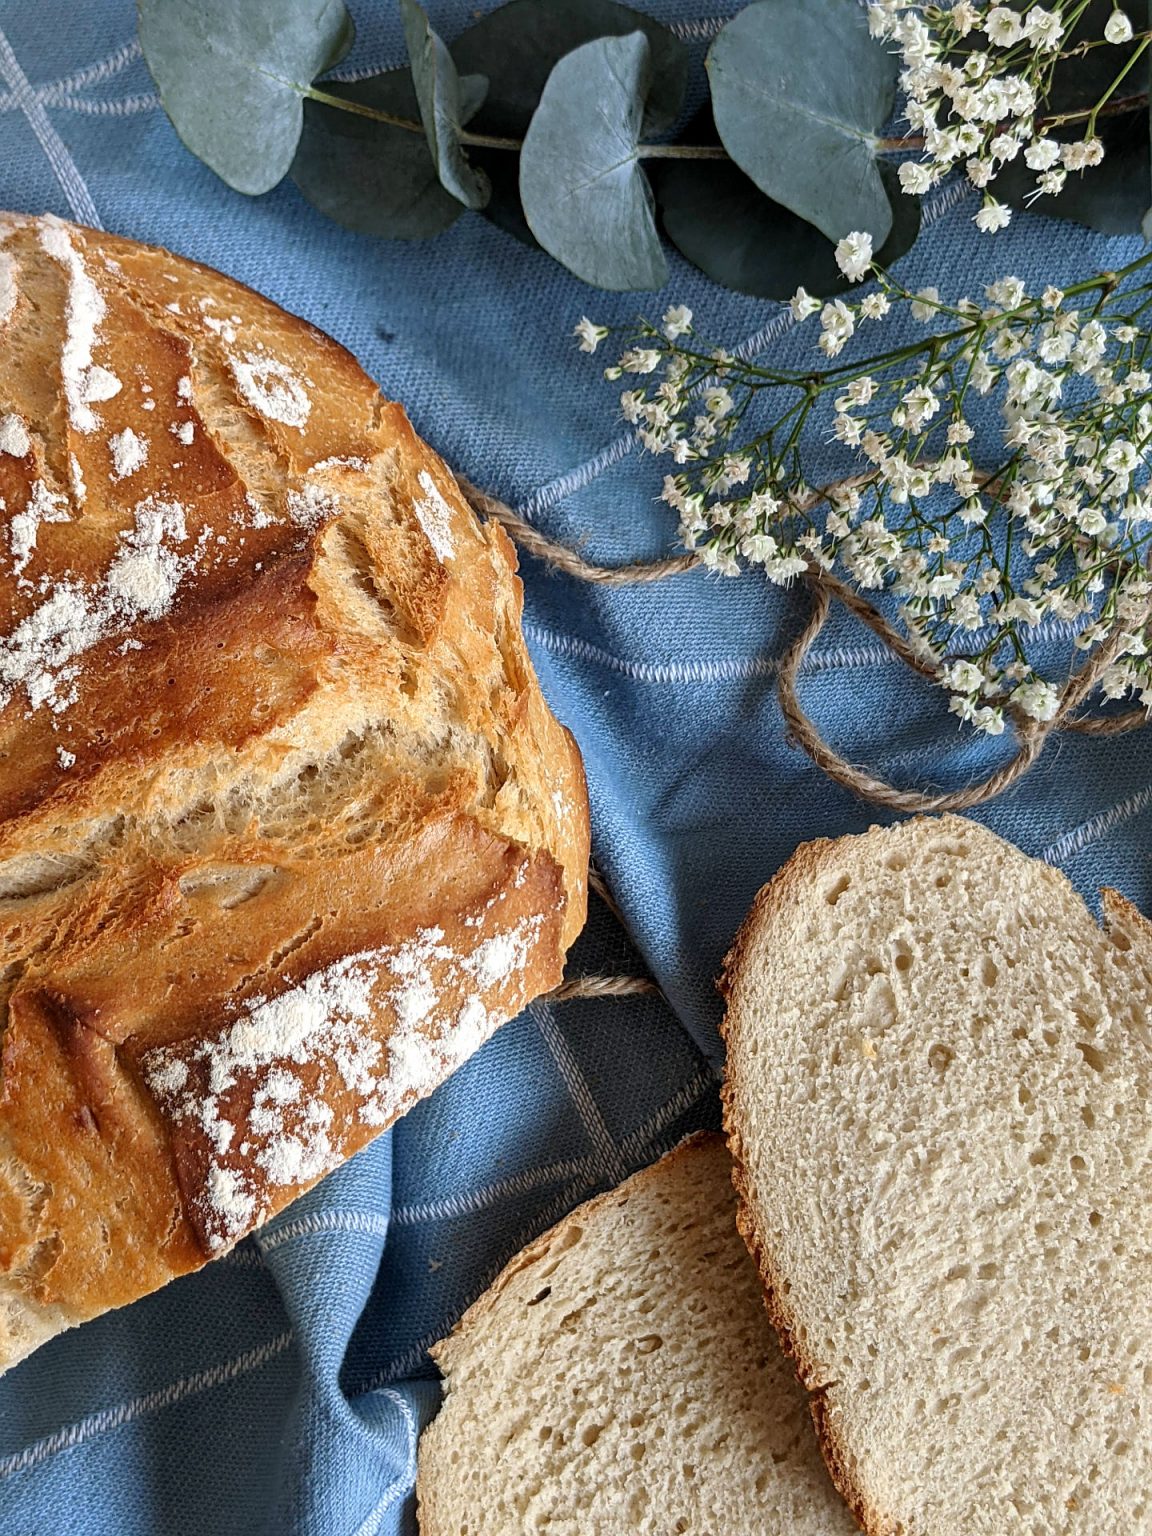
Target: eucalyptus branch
{"points": [[979, 78]]}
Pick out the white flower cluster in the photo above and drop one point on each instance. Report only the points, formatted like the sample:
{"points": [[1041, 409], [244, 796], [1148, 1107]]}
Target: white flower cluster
{"points": [[977, 77], [1055, 529]]}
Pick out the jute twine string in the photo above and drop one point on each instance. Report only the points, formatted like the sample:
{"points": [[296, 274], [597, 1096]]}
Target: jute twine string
{"points": [[1032, 735], [603, 986]]}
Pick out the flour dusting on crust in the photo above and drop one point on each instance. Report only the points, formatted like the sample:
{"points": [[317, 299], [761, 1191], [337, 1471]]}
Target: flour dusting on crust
{"points": [[129, 453], [42, 653], [271, 388], [84, 311], [7, 285], [435, 517], [14, 439], [42, 506], [258, 1092]]}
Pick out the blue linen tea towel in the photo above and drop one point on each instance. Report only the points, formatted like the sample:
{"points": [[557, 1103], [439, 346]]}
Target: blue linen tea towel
{"points": [[282, 1389]]}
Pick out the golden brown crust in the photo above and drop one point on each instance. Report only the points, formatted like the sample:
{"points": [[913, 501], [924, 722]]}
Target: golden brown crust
{"points": [[280, 799]]}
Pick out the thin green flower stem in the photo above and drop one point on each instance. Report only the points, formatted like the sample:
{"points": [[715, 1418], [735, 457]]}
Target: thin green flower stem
{"points": [[1137, 53]]}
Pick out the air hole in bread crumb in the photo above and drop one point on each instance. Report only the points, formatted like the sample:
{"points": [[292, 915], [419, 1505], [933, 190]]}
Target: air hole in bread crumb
{"points": [[896, 861], [1050, 1037], [1120, 939], [1093, 1057], [1088, 1115], [989, 971], [834, 892], [538, 1298], [942, 882], [591, 1434], [940, 1058], [649, 1344]]}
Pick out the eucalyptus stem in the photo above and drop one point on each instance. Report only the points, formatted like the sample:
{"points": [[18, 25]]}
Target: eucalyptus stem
{"points": [[682, 152], [409, 125], [491, 141]]}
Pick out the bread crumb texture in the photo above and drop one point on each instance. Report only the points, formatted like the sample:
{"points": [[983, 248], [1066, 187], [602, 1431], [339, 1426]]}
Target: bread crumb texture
{"points": [[621, 1376], [938, 1102], [286, 829]]}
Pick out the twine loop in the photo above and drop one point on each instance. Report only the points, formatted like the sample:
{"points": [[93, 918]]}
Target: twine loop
{"points": [[1032, 736]]}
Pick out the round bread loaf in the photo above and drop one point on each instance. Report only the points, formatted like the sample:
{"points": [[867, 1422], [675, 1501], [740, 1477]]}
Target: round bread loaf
{"points": [[286, 828]]}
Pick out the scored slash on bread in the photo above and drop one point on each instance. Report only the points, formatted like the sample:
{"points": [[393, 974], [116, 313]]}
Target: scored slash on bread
{"points": [[620, 1377], [286, 828], [937, 1101]]}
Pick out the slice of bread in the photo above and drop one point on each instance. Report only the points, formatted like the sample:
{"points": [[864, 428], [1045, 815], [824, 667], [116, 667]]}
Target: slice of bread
{"points": [[620, 1377], [938, 1103]]}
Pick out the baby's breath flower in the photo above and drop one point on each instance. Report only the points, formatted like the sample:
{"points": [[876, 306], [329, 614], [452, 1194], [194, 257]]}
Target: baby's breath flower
{"points": [[717, 401], [837, 326], [1003, 27], [1081, 154], [640, 360], [915, 177], [1051, 183], [1042, 154], [979, 107], [993, 215], [1038, 700], [677, 321], [973, 561], [802, 304], [1044, 29], [854, 255], [589, 335], [631, 404]]}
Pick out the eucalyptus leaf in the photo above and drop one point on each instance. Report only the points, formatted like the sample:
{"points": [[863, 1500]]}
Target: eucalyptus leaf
{"points": [[517, 46], [438, 91], [231, 77], [584, 195], [372, 177], [721, 221], [800, 91]]}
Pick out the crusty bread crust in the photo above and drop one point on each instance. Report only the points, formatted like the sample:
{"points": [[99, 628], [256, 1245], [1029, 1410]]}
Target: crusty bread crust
{"points": [[555, 1238], [801, 869], [286, 827], [763, 1431], [801, 872]]}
